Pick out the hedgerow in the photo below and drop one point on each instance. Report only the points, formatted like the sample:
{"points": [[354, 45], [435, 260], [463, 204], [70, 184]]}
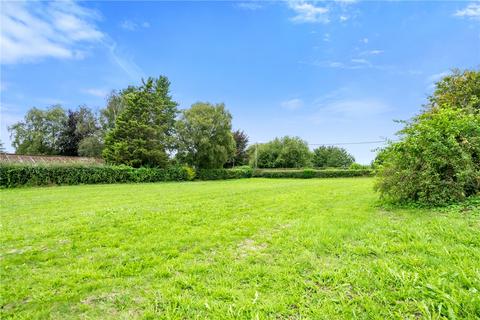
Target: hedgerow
{"points": [[222, 174], [18, 175], [311, 173], [22, 175]]}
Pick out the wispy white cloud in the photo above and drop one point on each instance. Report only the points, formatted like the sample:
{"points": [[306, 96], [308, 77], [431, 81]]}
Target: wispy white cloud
{"points": [[292, 104], [32, 31], [101, 93], [307, 12], [124, 62], [133, 26], [35, 30], [372, 52], [250, 5], [471, 11], [355, 63], [356, 107]]}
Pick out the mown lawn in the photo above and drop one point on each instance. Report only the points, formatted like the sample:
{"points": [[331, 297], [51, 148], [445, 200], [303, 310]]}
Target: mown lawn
{"points": [[248, 249]]}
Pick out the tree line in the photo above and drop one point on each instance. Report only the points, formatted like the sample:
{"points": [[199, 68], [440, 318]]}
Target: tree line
{"points": [[141, 126]]}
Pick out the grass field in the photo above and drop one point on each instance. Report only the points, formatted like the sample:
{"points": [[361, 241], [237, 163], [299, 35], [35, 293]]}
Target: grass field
{"points": [[248, 249]]}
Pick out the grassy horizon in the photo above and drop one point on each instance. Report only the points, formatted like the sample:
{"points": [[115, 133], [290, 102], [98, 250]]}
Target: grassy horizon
{"points": [[252, 248]]}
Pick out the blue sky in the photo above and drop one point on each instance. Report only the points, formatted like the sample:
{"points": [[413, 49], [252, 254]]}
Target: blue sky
{"points": [[326, 71]]}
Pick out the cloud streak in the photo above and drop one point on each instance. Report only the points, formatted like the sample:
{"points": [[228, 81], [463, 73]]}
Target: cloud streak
{"points": [[292, 104]]}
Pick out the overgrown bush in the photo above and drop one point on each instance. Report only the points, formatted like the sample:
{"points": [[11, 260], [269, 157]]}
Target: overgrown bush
{"points": [[18, 175], [311, 173], [437, 160]]}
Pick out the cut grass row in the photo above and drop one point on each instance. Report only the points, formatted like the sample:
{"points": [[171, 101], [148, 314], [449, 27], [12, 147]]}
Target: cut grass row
{"points": [[254, 248]]}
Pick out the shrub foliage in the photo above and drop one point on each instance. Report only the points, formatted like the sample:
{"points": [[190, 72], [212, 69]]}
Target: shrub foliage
{"points": [[17, 175], [311, 173]]}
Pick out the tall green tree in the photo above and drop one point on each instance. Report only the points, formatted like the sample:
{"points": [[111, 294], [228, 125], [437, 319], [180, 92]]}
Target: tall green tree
{"points": [[240, 157], [205, 137], [331, 156], [285, 152], [143, 132], [39, 132]]}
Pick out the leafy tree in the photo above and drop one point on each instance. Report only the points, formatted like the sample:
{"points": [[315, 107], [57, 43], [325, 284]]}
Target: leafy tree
{"points": [[39, 132], [331, 156], [115, 106], [79, 125], [91, 146], [205, 137], [143, 132], [461, 89], [240, 156], [286, 152], [2, 148]]}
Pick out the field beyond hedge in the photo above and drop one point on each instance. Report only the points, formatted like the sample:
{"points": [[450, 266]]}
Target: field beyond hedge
{"points": [[250, 248]]}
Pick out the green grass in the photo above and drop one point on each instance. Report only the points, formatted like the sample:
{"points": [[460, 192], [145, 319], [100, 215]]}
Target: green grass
{"points": [[248, 249]]}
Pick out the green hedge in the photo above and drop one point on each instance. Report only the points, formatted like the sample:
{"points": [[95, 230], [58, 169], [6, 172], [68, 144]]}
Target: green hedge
{"points": [[310, 173], [18, 175], [222, 174], [27, 175]]}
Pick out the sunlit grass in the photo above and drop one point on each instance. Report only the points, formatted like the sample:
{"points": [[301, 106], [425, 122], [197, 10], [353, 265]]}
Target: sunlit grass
{"points": [[253, 248]]}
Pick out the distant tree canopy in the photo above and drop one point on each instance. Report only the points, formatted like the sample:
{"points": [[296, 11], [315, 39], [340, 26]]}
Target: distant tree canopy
{"points": [[115, 106], [205, 137], [40, 131], [143, 132], [80, 124], [240, 157], [286, 152], [437, 159], [331, 156]]}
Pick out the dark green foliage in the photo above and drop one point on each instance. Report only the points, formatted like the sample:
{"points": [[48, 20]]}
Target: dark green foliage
{"points": [[205, 139], [286, 152], [331, 157], [80, 124], [240, 157], [39, 132], [311, 173], [17, 175], [143, 132], [222, 174]]}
